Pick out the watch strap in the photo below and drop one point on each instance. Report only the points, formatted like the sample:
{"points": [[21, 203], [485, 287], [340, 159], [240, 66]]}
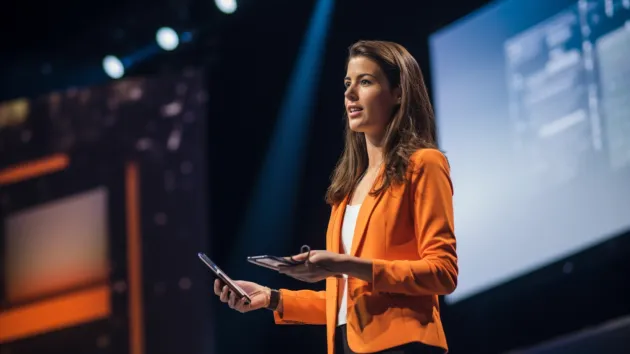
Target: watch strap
{"points": [[274, 300]]}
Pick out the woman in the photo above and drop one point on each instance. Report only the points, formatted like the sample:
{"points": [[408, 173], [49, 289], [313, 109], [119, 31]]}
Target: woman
{"points": [[390, 248]]}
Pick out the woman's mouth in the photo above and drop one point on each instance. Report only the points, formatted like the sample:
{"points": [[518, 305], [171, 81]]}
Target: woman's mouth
{"points": [[354, 112]]}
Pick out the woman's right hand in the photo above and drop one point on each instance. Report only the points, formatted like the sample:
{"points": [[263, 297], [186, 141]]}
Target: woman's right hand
{"points": [[257, 293]]}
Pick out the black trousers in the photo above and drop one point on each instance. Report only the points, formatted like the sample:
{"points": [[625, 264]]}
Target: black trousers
{"points": [[341, 346]]}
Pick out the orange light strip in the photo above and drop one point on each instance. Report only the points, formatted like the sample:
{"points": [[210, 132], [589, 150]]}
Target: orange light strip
{"points": [[35, 168], [54, 314], [134, 261]]}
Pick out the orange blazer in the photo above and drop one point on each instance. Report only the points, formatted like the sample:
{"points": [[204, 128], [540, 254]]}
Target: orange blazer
{"points": [[407, 232]]}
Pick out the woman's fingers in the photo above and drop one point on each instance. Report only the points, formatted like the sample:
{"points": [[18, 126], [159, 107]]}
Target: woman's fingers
{"points": [[225, 294], [232, 300], [300, 257], [230, 297], [217, 287], [240, 305]]}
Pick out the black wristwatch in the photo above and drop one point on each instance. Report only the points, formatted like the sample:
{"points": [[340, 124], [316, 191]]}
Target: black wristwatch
{"points": [[274, 300]]}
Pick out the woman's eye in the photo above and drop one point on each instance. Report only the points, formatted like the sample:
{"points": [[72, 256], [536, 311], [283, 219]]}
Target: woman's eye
{"points": [[346, 84], [365, 82]]}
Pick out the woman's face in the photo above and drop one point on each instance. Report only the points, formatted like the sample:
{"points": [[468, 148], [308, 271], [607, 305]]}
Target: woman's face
{"points": [[369, 100]]}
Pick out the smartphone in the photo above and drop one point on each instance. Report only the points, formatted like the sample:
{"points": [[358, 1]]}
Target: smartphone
{"points": [[224, 278], [271, 262]]}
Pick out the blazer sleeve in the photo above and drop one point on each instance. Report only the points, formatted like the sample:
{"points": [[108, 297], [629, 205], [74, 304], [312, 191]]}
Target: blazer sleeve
{"points": [[436, 272], [302, 307]]}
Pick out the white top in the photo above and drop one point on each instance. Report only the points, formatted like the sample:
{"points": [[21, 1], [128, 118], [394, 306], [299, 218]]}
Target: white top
{"points": [[347, 233]]}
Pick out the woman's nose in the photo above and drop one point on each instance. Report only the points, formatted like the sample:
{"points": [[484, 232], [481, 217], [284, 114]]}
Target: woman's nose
{"points": [[350, 94]]}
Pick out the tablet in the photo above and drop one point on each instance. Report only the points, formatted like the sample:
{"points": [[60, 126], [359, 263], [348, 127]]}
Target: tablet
{"points": [[224, 278], [275, 262], [271, 262]]}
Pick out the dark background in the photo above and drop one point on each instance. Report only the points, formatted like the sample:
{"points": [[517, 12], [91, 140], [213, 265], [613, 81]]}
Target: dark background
{"points": [[247, 59]]}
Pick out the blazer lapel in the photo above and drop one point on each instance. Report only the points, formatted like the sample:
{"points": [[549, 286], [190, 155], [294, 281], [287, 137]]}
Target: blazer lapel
{"points": [[336, 231], [365, 212]]}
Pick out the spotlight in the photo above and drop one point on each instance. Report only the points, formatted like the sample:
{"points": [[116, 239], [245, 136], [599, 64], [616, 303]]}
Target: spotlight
{"points": [[113, 67], [226, 6], [167, 38]]}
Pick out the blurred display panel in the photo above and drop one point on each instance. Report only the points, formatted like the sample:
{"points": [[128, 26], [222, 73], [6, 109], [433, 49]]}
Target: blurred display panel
{"points": [[532, 103], [57, 247]]}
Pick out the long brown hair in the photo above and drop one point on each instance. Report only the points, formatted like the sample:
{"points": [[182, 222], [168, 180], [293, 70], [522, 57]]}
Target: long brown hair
{"points": [[411, 128]]}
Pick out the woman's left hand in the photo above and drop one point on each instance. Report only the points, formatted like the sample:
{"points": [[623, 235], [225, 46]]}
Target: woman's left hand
{"points": [[319, 266]]}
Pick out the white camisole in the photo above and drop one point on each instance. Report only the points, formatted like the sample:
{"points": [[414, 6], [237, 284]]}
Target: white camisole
{"points": [[347, 233]]}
